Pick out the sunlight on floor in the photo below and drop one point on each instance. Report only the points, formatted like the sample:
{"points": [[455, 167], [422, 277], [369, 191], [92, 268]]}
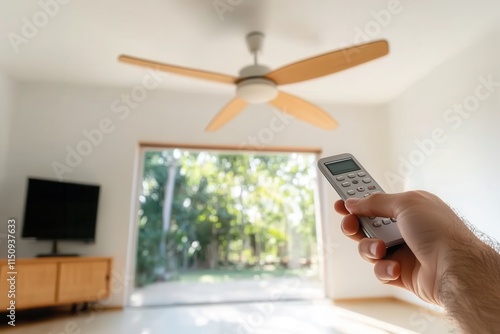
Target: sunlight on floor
{"points": [[273, 289], [319, 317], [207, 279]]}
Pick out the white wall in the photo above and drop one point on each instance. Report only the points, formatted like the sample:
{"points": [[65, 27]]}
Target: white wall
{"points": [[49, 117], [463, 168], [45, 118], [6, 98]]}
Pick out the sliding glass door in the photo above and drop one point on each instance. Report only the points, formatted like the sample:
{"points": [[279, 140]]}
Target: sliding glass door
{"points": [[226, 227]]}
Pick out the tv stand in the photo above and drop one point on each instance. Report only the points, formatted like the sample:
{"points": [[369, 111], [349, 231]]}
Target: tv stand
{"points": [[55, 253], [46, 282]]}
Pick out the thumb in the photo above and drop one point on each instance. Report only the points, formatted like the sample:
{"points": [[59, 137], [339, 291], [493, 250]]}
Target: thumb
{"points": [[376, 205]]}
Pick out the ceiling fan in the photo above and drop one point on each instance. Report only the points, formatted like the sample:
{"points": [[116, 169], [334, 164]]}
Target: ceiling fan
{"points": [[258, 84]]}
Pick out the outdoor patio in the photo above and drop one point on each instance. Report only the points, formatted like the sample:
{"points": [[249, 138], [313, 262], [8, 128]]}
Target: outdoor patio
{"points": [[216, 291]]}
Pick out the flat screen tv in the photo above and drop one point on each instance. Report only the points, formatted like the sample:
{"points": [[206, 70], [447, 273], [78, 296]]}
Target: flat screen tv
{"points": [[60, 211]]}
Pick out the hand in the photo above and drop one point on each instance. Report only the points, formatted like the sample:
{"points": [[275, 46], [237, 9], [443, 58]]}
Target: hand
{"points": [[429, 228]]}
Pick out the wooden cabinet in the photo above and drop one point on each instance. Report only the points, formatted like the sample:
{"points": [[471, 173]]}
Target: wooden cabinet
{"points": [[35, 284], [56, 281], [83, 280]]}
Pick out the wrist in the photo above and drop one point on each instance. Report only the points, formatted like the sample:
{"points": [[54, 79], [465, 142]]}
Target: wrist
{"points": [[468, 288]]}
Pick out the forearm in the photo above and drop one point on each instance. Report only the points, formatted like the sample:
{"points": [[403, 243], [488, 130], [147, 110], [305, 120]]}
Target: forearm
{"points": [[470, 287]]}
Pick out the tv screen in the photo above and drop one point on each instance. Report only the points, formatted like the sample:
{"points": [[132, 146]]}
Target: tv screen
{"points": [[60, 210]]}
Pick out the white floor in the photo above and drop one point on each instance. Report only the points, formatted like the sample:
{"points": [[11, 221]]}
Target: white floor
{"points": [[275, 288], [320, 317]]}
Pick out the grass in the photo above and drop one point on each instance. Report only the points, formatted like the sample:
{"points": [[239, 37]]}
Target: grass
{"points": [[219, 275]]}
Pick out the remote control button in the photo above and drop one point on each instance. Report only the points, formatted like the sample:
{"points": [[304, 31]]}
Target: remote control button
{"points": [[393, 220], [346, 184], [361, 174], [371, 218], [355, 181], [367, 180], [386, 221], [350, 192], [377, 224], [372, 187], [340, 178], [351, 176], [361, 189], [366, 195]]}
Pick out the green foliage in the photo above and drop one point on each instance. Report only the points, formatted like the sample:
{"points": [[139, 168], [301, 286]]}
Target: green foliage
{"points": [[227, 210]]}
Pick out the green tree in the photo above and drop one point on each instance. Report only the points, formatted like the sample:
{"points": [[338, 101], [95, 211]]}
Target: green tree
{"points": [[231, 210]]}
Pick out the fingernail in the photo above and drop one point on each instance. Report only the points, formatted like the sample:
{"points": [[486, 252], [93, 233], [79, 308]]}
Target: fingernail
{"points": [[373, 249], [342, 228], [390, 269]]}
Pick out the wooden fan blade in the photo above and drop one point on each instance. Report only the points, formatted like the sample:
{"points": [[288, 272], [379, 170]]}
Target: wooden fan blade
{"points": [[178, 69], [304, 111], [233, 108], [329, 63]]}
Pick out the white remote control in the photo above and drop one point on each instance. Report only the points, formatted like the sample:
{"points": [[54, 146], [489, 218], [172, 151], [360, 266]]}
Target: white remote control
{"points": [[351, 180]]}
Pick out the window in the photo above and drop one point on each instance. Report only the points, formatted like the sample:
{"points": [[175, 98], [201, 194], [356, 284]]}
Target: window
{"points": [[208, 217]]}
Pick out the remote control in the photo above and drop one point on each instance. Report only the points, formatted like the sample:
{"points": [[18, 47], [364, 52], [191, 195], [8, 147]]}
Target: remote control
{"points": [[351, 180]]}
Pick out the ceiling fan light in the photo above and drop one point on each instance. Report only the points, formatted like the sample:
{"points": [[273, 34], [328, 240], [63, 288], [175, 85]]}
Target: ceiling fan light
{"points": [[257, 90]]}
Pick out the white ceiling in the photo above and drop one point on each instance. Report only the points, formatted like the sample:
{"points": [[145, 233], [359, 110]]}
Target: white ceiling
{"points": [[82, 40]]}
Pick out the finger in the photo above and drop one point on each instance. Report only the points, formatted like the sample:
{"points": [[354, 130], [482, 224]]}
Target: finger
{"points": [[377, 205], [397, 282], [406, 265], [407, 262], [371, 249], [340, 207], [387, 270], [350, 227]]}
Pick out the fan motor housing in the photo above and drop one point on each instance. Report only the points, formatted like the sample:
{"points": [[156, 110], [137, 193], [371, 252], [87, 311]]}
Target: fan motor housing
{"points": [[256, 90], [254, 71]]}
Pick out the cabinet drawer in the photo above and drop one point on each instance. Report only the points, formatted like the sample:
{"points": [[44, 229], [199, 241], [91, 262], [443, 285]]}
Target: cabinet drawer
{"points": [[83, 281], [35, 285]]}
